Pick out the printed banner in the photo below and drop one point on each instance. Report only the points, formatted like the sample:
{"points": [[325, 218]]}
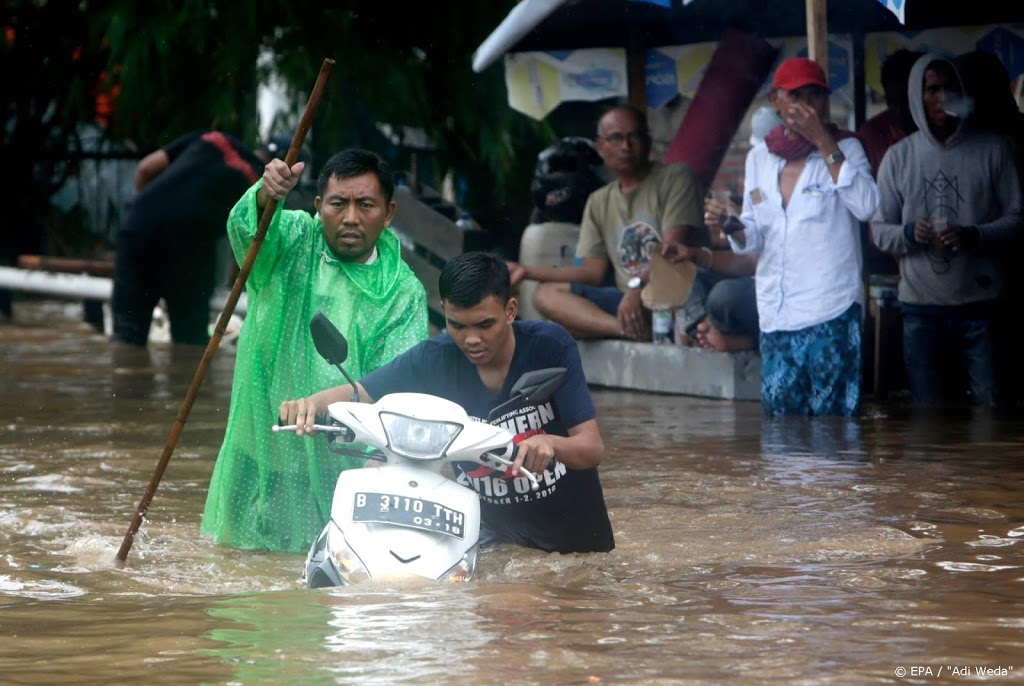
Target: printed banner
{"points": [[538, 81], [677, 70], [1006, 41]]}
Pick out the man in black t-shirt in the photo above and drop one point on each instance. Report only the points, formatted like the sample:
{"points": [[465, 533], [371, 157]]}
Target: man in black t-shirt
{"points": [[167, 245], [475, 363]]}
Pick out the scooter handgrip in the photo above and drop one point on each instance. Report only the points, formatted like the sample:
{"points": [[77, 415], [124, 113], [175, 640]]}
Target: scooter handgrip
{"points": [[534, 484]]}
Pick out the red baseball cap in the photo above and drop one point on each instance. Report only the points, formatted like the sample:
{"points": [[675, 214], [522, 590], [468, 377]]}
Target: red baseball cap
{"points": [[797, 72]]}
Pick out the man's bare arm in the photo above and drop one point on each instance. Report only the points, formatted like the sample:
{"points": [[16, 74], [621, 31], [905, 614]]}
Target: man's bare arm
{"points": [[677, 234], [583, 448], [150, 167], [303, 412], [591, 272]]}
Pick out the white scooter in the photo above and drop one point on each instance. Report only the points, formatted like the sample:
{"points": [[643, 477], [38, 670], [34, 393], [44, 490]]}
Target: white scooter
{"points": [[408, 517]]}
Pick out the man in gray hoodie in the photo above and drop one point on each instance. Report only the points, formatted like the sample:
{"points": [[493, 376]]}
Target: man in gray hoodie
{"points": [[950, 205]]}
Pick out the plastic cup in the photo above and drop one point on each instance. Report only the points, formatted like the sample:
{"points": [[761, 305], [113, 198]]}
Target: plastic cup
{"points": [[939, 225], [724, 197]]}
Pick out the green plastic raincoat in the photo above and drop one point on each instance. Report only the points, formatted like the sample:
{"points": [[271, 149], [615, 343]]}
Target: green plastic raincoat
{"points": [[270, 490]]}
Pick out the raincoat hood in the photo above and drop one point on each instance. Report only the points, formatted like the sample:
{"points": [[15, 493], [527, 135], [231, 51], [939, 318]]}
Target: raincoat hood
{"points": [[378, 281]]}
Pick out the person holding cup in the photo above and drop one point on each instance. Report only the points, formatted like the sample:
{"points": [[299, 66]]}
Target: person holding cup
{"points": [[951, 204]]}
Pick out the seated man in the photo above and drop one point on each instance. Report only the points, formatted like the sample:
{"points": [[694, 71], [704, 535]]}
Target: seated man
{"points": [[647, 204], [475, 364], [721, 312], [723, 315]]}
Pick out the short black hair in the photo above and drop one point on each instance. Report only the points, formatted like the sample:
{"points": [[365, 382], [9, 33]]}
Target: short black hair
{"points": [[472, 276], [353, 162], [986, 79], [896, 69]]}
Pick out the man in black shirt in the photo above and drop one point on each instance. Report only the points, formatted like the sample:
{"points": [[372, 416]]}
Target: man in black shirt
{"points": [[167, 245], [474, 364]]}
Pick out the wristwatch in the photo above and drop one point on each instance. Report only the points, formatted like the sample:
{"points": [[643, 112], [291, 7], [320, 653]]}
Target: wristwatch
{"points": [[635, 282], [835, 157]]}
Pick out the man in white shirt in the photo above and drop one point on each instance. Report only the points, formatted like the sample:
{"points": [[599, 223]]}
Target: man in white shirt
{"points": [[806, 190]]}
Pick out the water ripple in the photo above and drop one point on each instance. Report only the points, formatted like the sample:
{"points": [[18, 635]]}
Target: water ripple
{"points": [[973, 567]]}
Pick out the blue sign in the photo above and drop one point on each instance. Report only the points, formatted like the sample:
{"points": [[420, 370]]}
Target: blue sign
{"points": [[1008, 46], [560, 55], [661, 81], [838, 65]]}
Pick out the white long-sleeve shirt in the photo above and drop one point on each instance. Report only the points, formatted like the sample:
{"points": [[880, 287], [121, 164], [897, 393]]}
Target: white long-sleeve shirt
{"points": [[809, 268]]}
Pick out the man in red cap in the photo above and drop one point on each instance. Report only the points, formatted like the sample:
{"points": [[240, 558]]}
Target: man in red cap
{"points": [[807, 187]]}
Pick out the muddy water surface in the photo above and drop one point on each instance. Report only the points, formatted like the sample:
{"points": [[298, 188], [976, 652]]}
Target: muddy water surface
{"points": [[883, 551]]}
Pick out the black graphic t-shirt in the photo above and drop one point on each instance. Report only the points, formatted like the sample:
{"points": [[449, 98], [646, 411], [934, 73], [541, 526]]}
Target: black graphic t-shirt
{"points": [[567, 513]]}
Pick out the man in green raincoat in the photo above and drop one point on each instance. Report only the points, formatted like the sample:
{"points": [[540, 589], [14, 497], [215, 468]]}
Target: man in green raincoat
{"points": [[273, 491]]}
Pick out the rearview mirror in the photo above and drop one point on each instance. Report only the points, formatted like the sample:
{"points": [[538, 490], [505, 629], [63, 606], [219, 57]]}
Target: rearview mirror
{"points": [[538, 386], [328, 341], [332, 346], [532, 388]]}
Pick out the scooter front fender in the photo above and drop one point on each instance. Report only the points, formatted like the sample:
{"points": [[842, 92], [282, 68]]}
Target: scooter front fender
{"points": [[403, 521]]}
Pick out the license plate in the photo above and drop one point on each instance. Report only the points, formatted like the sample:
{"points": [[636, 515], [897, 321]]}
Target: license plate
{"points": [[414, 513]]}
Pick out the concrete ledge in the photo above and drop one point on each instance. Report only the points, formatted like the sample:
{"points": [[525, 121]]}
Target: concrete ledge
{"points": [[672, 369]]}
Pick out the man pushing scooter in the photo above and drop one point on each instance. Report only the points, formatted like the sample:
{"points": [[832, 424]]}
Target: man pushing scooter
{"points": [[474, 364]]}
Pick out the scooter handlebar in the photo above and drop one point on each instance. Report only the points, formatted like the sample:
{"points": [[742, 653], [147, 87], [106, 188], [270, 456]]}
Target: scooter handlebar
{"points": [[534, 484], [322, 428]]}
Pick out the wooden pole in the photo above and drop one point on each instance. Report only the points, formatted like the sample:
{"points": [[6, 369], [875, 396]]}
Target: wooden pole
{"points": [[860, 94], [817, 32], [636, 70], [225, 316]]}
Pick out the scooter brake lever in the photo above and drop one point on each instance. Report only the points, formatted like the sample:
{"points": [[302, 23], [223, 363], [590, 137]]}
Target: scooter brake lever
{"points": [[322, 428], [534, 484]]}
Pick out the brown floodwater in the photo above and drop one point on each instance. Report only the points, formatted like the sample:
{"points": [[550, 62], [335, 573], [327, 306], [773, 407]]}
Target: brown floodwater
{"points": [[885, 550]]}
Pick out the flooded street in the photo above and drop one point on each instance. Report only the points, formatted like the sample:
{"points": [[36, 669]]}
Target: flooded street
{"points": [[888, 550]]}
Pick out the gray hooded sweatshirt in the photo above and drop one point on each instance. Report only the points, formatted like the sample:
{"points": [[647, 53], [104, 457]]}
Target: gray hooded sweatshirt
{"points": [[974, 177]]}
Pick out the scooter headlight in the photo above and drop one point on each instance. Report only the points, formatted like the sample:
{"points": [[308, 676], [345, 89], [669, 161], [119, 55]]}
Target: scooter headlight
{"points": [[348, 565], [463, 570], [418, 439]]}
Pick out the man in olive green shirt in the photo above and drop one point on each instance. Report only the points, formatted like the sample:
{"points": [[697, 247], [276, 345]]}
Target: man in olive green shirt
{"points": [[647, 204]]}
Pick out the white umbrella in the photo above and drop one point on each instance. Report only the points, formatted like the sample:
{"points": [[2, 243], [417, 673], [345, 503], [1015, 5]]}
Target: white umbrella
{"points": [[523, 18]]}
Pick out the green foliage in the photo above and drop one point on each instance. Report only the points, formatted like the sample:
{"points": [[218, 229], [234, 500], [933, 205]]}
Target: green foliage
{"points": [[180, 65], [405, 64], [47, 85]]}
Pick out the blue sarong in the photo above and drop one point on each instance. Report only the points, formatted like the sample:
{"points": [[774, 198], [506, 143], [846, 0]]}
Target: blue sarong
{"points": [[813, 371]]}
